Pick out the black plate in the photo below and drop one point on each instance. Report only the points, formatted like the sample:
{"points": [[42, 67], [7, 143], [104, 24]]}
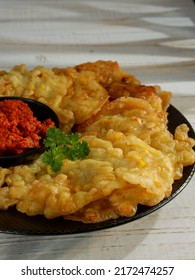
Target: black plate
{"points": [[12, 221]]}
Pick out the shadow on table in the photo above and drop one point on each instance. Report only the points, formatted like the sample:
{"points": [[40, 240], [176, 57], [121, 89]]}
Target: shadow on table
{"points": [[115, 243]]}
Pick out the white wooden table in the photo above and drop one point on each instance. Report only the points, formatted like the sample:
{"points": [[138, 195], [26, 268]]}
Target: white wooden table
{"points": [[153, 39]]}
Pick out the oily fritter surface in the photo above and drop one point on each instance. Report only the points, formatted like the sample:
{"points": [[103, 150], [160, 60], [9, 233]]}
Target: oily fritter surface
{"points": [[133, 157]]}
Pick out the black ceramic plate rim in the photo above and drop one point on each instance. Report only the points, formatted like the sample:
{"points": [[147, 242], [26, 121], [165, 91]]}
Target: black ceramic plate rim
{"points": [[59, 226]]}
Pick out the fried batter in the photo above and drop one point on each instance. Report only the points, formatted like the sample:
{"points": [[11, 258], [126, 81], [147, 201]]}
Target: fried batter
{"points": [[133, 157]]}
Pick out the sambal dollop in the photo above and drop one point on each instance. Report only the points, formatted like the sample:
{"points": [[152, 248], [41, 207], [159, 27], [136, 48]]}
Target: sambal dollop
{"points": [[20, 130]]}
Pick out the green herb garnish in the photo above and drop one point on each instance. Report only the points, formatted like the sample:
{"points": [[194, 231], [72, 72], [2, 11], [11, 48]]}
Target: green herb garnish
{"points": [[61, 145]]}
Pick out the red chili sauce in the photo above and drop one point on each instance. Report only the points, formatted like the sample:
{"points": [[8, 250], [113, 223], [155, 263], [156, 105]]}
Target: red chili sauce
{"points": [[19, 129]]}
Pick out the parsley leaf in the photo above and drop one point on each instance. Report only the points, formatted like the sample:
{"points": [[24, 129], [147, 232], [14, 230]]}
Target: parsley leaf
{"points": [[53, 157], [61, 145]]}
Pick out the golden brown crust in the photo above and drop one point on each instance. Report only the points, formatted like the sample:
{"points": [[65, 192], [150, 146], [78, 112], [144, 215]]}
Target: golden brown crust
{"points": [[133, 158]]}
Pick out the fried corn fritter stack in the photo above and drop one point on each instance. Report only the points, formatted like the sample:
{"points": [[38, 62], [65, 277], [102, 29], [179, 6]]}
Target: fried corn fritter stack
{"points": [[133, 157]]}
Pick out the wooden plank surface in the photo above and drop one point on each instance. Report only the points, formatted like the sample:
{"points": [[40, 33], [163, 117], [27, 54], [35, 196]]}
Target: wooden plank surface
{"points": [[154, 40]]}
